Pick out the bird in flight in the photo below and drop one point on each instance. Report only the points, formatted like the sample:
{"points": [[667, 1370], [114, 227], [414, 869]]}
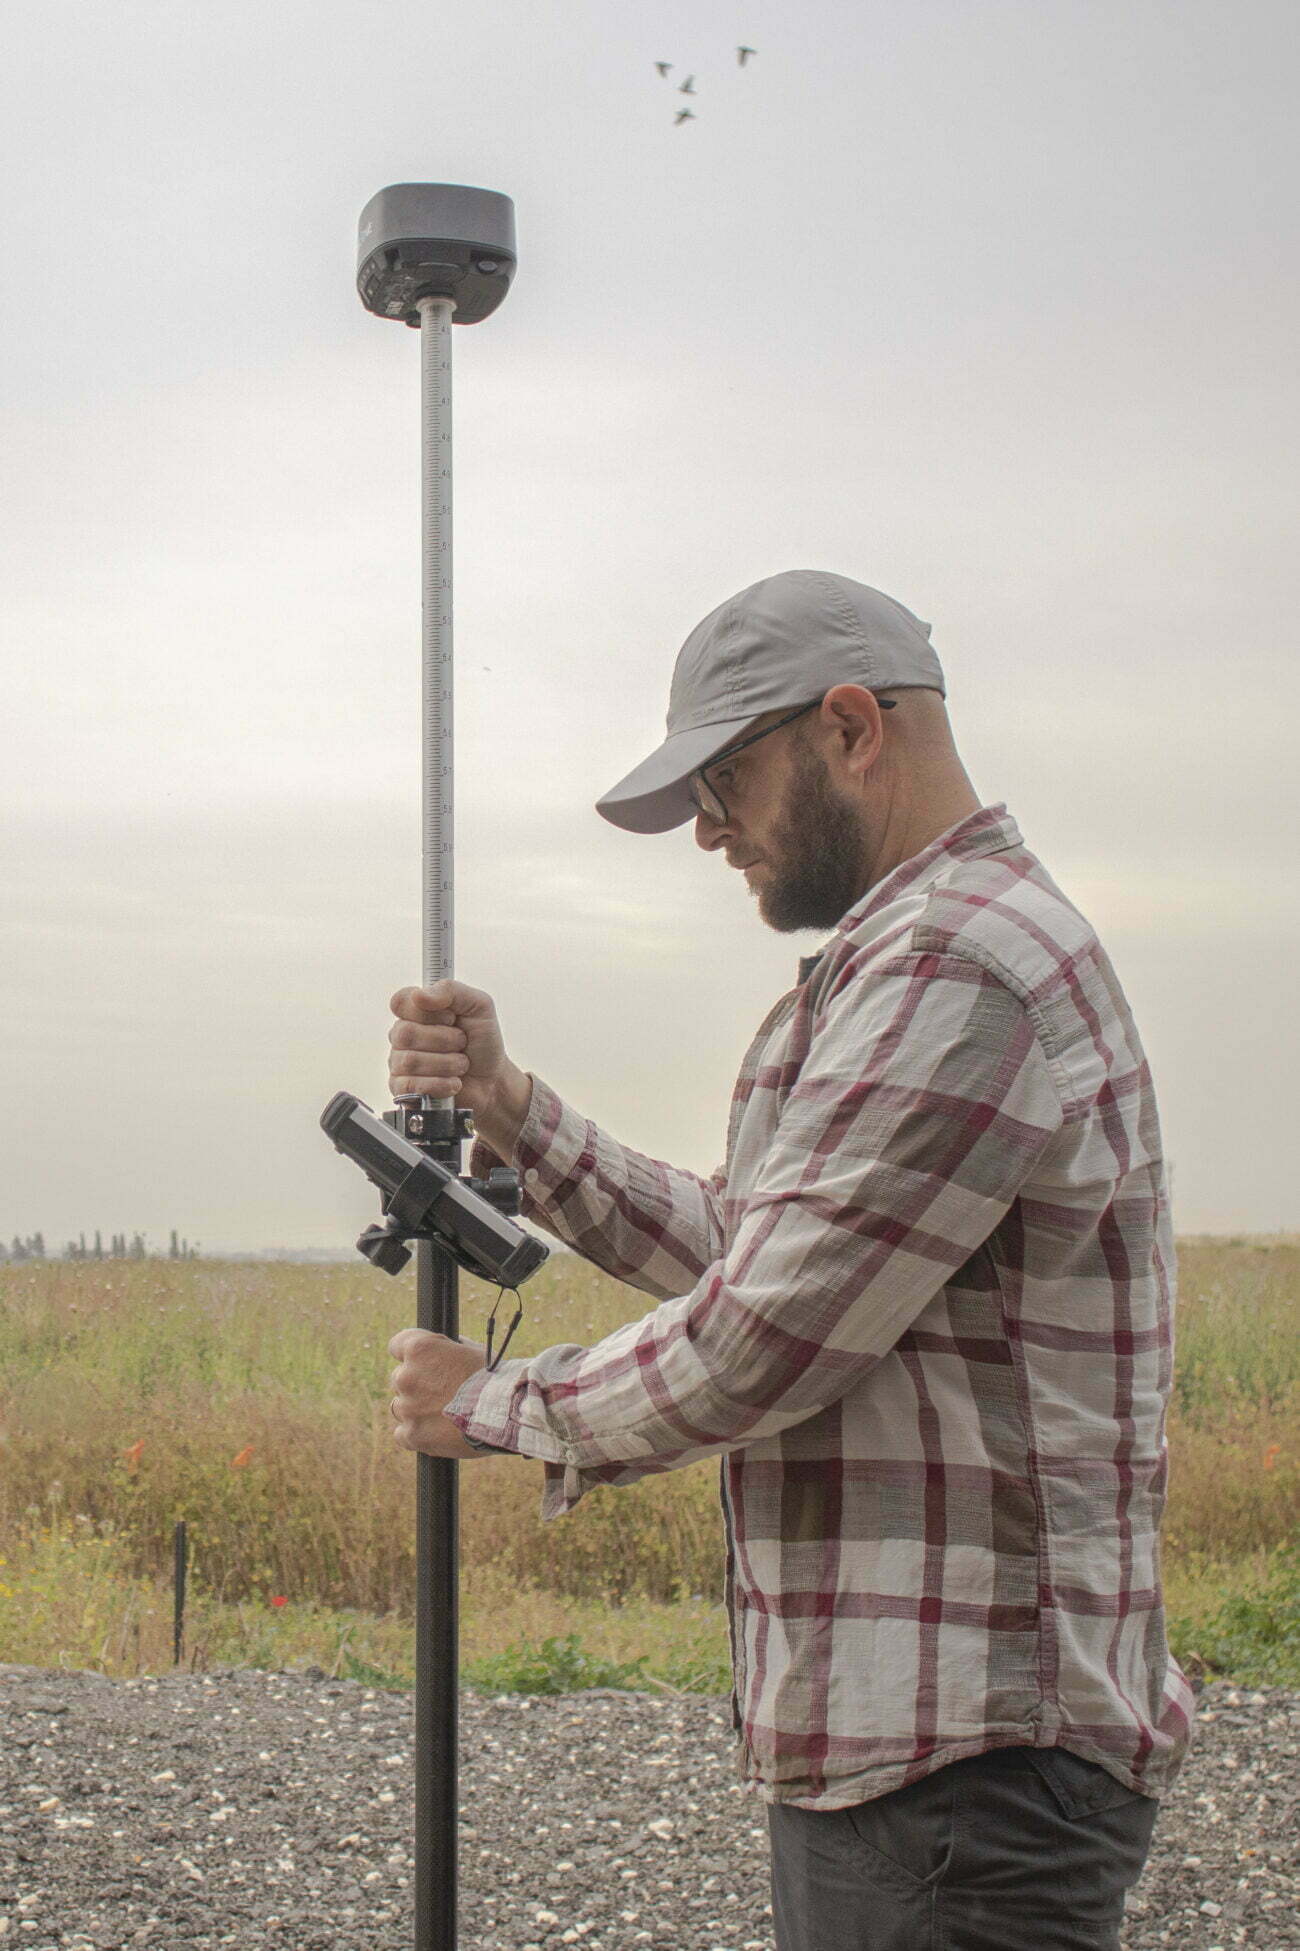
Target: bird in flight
{"points": [[663, 66], [688, 86], [684, 115], [742, 52]]}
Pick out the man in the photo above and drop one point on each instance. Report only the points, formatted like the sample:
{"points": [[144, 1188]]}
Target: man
{"points": [[923, 1312]]}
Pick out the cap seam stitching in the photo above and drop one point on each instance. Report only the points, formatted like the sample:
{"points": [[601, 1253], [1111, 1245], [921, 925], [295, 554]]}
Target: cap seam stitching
{"points": [[733, 625], [839, 601]]}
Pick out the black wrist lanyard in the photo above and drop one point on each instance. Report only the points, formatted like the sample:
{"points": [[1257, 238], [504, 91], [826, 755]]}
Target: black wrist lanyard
{"points": [[490, 1365]]}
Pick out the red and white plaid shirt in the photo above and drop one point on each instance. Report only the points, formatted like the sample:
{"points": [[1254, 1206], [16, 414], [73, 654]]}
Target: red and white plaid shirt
{"points": [[924, 1315]]}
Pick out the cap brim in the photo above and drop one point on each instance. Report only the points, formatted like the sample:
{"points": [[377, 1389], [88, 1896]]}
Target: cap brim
{"points": [[655, 796]]}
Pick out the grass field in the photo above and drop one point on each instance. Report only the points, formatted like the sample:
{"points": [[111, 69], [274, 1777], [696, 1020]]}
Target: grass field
{"points": [[250, 1398]]}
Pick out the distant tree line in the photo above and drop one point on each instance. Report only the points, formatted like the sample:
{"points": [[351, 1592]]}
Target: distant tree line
{"points": [[33, 1248]]}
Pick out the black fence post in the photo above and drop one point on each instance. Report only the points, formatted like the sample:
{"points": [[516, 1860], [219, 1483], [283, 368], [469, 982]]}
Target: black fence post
{"points": [[178, 1589]]}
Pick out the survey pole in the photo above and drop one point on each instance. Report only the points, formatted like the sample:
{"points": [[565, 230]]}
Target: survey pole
{"points": [[430, 255]]}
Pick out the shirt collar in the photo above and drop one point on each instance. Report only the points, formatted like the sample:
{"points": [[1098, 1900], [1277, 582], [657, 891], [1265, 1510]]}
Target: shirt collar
{"points": [[990, 830]]}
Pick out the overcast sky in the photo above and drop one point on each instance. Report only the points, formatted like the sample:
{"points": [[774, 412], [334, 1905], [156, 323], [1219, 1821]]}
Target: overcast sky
{"points": [[989, 305]]}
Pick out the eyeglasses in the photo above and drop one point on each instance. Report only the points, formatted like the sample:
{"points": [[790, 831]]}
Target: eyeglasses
{"points": [[704, 795]]}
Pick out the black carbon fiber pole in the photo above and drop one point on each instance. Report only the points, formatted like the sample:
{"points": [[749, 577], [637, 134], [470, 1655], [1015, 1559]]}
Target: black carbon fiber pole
{"points": [[437, 1644]]}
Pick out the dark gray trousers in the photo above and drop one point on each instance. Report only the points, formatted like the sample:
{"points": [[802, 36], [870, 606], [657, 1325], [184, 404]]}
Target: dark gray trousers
{"points": [[1021, 1849]]}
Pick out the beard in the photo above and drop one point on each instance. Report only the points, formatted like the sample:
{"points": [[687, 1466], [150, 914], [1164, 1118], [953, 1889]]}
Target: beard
{"points": [[816, 860]]}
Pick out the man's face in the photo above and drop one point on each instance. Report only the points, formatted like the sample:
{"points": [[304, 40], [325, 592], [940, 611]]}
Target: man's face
{"points": [[804, 838]]}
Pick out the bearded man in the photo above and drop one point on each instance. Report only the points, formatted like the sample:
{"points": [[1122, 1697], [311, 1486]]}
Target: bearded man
{"points": [[922, 1311]]}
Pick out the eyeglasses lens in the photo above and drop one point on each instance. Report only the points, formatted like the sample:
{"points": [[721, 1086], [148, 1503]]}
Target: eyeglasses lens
{"points": [[706, 801]]}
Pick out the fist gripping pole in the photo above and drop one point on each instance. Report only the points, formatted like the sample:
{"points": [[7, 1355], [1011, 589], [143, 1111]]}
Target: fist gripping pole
{"points": [[430, 255]]}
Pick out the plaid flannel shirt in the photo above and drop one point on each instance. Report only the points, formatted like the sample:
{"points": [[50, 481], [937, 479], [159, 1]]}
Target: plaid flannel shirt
{"points": [[923, 1313]]}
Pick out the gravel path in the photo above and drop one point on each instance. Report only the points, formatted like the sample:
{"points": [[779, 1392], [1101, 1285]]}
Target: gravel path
{"points": [[273, 1810]]}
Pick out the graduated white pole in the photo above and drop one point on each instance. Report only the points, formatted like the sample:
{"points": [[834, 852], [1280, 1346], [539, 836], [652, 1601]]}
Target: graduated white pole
{"points": [[438, 802]]}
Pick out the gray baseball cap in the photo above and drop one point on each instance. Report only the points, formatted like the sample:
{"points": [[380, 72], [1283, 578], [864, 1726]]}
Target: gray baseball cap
{"points": [[783, 641]]}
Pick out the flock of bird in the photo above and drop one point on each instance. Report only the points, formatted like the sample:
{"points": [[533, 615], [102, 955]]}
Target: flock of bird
{"points": [[687, 87]]}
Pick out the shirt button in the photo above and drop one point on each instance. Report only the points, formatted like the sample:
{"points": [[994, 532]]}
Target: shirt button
{"points": [[530, 1176]]}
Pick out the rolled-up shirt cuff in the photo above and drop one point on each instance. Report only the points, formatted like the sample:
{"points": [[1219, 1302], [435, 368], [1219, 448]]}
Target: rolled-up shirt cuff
{"points": [[483, 1411]]}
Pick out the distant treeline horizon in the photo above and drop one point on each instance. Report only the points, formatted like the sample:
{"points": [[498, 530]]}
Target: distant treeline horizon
{"points": [[33, 1248]]}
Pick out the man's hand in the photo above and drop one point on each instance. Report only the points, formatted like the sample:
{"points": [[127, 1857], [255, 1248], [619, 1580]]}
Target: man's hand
{"points": [[430, 1371], [447, 1041]]}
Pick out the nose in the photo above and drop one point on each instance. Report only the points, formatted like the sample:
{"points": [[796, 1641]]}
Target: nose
{"points": [[711, 834]]}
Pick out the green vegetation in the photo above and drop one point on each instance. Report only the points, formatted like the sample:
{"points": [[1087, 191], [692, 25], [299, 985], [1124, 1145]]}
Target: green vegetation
{"points": [[251, 1399], [1254, 1635], [557, 1666]]}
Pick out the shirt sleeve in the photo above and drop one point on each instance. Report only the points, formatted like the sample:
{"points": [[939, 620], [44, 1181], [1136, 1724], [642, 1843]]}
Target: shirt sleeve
{"points": [[921, 1110], [652, 1225]]}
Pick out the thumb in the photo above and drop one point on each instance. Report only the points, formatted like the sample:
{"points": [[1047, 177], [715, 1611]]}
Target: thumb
{"points": [[457, 996], [446, 994]]}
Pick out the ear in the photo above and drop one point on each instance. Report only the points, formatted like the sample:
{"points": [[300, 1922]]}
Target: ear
{"points": [[852, 714]]}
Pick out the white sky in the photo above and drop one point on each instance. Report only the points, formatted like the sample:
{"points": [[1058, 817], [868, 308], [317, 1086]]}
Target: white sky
{"points": [[991, 306]]}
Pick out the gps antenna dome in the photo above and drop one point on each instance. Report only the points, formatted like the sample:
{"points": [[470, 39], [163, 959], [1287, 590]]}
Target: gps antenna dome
{"points": [[435, 240]]}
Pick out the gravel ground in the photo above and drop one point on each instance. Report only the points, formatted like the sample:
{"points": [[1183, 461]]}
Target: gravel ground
{"points": [[273, 1810]]}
